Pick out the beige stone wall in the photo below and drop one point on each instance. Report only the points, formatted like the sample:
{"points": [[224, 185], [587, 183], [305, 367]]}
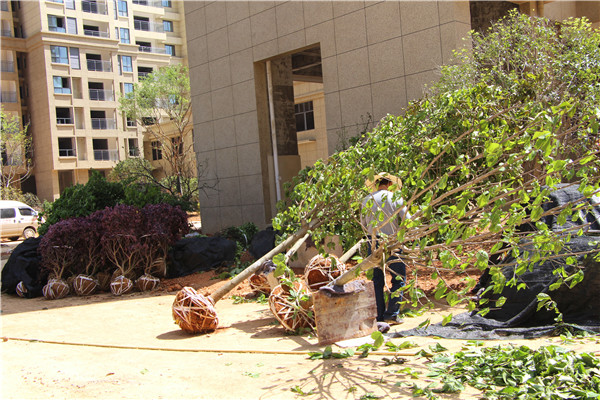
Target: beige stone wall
{"points": [[376, 56]]}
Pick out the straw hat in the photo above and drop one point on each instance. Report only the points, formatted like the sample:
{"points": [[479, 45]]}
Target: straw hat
{"points": [[372, 184]]}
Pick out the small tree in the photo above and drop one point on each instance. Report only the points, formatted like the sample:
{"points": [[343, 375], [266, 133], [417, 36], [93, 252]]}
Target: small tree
{"points": [[123, 226], [58, 250], [161, 104], [16, 165], [165, 225]]}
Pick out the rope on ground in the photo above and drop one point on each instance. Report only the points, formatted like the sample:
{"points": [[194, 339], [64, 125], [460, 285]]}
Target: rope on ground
{"points": [[111, 346], [274, 352]]}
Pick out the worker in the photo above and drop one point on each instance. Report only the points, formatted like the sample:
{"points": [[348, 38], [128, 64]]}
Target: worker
{"points": [[378, 227]]}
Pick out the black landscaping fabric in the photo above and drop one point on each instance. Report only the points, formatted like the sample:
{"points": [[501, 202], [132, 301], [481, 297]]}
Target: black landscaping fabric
{"points": [[195, 254], [262, 242], [24, 265], [519, 317]]}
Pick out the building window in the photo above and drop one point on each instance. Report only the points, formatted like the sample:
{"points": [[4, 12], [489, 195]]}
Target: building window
{"points": [[126, 64], [72, 26], [127, 87], [141, 23], [124, 33], [61, 85], [130, 122], [65, 147], [63, 116], [122, 4], [168, 26], [75, 64], [70, 4], [59, 54], [169, 49], [56, 24], [132, 145], [143, 72], [156, 150], [305, 118], [166, 3]]}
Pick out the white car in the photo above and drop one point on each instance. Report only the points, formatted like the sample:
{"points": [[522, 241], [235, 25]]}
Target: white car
{"points": [[17, 219]]}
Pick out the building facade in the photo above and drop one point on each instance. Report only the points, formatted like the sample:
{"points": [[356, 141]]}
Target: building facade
{"points": [[74, 59], [278, 85]]}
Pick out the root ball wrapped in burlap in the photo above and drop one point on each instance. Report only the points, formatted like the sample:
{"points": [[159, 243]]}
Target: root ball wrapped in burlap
{"points": [[55, 289], [21, 289], [85, 285], [321, 270], [121, 285], [258, 281], [193, 312], [292, 308], [147, 282]]}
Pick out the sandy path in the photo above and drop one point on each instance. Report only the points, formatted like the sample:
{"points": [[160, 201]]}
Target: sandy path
{"points": [[104, 347]]}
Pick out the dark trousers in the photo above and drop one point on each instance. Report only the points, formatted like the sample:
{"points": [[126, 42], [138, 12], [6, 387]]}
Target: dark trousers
{"points": [[398, 269]]}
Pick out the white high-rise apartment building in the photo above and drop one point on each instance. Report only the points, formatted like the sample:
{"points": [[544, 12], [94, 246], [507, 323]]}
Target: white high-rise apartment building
{"points": [[65, 63]]}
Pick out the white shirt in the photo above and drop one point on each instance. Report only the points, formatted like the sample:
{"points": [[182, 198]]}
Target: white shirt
{"points": [[382, 201]]}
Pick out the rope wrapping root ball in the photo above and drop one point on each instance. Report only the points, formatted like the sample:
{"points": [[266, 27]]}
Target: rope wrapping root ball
{"points": [[55, 289], [258, 281], [85, 285], [147, 282], [193, 312], [21, 289], [121, 285], [321, 270], [290, 309]]}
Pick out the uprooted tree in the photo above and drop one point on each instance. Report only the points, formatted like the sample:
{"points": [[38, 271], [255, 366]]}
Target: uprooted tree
{"points": [[478, 157], [161, 104]]}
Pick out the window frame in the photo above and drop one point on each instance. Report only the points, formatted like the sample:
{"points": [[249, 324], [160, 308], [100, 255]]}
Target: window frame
{"points": [[122, 13], [62, 86], [156, 146], [122, 39], [306, 112], [126, 67], [60, 58], [53, 25], [168, 26]]}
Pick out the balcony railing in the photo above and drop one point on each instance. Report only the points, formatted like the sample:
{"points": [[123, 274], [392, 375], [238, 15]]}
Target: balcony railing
{"points": [[66, 152], [62, 90], [90, 32], [94, 7], [104, 123], [150, 3], [106, 155], [7, 66], [155, 50], [101, 95], [64, 121], [99, 65], [148, 26], [7, 33], [8, 97]]}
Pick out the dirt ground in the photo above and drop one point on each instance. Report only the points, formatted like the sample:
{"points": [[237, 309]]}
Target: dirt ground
{"points": [[128, 347]]}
